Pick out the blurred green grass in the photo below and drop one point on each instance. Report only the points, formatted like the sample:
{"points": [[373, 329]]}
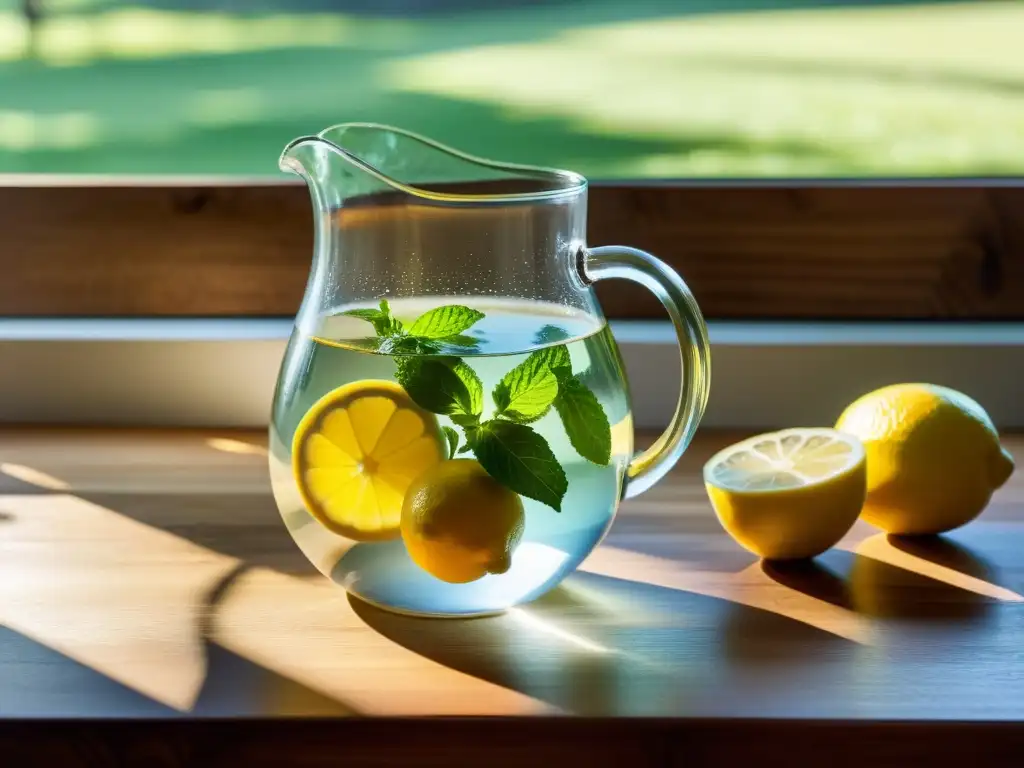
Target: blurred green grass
{"points": [[652, 88]]}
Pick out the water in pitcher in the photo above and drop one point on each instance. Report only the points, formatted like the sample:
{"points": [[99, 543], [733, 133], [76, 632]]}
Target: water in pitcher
{"points": [[450, 455]]}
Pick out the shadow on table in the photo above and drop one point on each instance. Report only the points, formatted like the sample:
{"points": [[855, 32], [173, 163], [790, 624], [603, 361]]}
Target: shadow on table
{"points": [[882, 590], [946, 553], [242, 525], [812, 578], [245, 526], [235, 686], [604, 646], [39, 681]]}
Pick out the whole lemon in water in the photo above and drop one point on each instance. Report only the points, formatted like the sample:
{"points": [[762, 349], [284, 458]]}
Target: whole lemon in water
{"points": [[459, 523], [933, 457]]}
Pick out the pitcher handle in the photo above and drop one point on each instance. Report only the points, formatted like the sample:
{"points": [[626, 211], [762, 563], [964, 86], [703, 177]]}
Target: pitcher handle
{"points": [[649, 466]]}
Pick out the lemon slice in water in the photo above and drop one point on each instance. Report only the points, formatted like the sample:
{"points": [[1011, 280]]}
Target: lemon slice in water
{"points": [[789, 494], [355, 453]]}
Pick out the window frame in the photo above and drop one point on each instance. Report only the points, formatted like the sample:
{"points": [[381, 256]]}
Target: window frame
{"points": [[152, 294], [749, 250]]}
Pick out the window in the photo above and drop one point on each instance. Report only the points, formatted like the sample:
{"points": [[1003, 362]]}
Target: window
{"points": [[795, 160], [612, 89]]}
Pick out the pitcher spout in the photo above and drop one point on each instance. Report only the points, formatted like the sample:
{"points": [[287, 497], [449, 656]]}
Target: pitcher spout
{"points": [[403, 219], [362, 158], [297, 156]]}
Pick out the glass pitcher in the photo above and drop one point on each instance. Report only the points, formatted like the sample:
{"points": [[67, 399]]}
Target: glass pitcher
{"points": [[451, 430]]}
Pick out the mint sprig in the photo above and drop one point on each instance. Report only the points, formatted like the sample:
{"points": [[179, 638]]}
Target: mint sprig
{"points": [[440, 326], [439, 383], [511, 451], [384, 323], [444, 385], [521, 460]]}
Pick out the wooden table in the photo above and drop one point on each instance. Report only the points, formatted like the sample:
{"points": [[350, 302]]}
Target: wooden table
{"points": [[153, 611]]}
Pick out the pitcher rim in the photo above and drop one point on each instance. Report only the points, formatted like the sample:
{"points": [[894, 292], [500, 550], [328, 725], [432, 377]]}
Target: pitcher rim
{"points": [[571, 182]]}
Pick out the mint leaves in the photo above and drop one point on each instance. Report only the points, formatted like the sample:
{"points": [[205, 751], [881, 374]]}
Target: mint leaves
{"points": [[544, 379], [527, 391], [584, 420], [511, 451], [381, 319], [444, 322], [444, 385], [438, 383], [437, 327], [521, 460]]}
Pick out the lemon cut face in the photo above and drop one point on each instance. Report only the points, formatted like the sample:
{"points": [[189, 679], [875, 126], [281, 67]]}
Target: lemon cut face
{"points": [[789, 494], [780, 461], [355, 454]]}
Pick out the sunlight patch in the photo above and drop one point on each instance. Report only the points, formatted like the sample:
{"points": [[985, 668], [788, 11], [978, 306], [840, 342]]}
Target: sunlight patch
{"points": [[225, 106], [134, 33], [769, 93], [13, 37], [22, 131]]}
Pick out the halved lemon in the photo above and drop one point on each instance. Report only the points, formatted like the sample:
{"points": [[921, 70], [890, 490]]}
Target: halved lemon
{"points": [[790, 494], [355, 453]]}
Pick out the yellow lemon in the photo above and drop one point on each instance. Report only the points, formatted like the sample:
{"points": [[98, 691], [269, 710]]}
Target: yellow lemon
{"points": [[790, 494], [459, 523], [355, 453], [933, 456]]}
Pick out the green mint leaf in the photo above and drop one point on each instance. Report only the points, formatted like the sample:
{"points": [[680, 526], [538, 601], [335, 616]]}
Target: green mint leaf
{"points": [[384, 324], [527, 391], [466, 421], [453, 440], [466, 448], [584, 420], [441, 322], [390, 324], [557, 359], [474, 387], [408, 345], [373, 316], [433, 385], [444, 385], [521, 460], [364, 314], [549, 334]]}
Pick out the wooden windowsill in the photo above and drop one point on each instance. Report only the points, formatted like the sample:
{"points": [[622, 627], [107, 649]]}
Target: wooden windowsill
{"points": [[193, 372]]}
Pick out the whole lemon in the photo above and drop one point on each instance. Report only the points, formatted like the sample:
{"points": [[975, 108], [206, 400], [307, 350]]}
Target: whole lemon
{"points": [[933, 457], [459, 523]]}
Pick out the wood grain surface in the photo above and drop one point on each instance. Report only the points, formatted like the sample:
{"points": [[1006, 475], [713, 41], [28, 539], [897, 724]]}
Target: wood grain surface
{"points": [[153, 611], [864, 250]]}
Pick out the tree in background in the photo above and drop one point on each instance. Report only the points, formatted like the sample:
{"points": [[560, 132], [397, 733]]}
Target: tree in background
{"points": [[32, 11]]}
